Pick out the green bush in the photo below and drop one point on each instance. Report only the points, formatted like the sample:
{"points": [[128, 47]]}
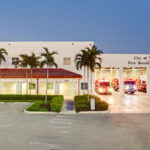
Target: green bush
{"points": [[101, 105], [81, 99], [37, 107], [82, 103], [82, 107], [56, 103], [24, 97]]}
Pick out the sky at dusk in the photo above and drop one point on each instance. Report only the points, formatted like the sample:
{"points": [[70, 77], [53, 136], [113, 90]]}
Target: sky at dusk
{"points": [[116, 26]]}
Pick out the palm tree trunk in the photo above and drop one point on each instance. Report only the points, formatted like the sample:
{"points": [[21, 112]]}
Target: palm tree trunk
{"points": [[26, 81], [88, 81], [46, 85], [91, 82], [84, 81]]}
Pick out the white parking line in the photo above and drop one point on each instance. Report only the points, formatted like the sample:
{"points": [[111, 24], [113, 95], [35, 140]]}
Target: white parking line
{"points": [[63, 132], [66, 116], [64, 119], [55, 146], [56, 122], [59, 127], [5, 126]]}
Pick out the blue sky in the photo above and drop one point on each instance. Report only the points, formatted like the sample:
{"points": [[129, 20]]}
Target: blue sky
{"points": [[116, 26]]}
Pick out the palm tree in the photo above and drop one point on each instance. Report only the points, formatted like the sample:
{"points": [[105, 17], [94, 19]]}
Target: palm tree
{"points": [[49, 61], [33, 62], [3, 52], [94, 57], [82, 61], [24, 62], [16, 63]]}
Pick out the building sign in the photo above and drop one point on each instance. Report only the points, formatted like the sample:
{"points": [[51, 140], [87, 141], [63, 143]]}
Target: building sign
{"points": [[140, 60]]}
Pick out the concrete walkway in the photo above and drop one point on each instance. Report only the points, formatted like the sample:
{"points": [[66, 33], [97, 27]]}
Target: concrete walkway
{"points": [[68, 107]]}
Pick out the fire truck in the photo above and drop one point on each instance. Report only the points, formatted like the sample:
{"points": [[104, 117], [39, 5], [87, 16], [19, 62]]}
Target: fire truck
{"points": [[103, 87], [115, 84], [130, 86], [142, 86]]}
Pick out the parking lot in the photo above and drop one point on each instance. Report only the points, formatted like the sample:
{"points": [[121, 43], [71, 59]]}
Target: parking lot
{"points": [[126, 131]]}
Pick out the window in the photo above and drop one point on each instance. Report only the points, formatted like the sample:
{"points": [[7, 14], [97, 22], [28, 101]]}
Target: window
{"points": [[50, 86], [14, 60], [67, 61], [84, 86]]}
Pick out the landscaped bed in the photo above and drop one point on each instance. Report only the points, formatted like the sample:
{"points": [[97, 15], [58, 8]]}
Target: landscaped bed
{"points": [[83, 104], [54, 103]]}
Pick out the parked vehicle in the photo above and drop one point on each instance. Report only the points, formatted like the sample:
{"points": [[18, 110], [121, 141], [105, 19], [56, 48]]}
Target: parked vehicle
{"points": [[115, 84], [103, 87], [143, 86], [130, 86]]}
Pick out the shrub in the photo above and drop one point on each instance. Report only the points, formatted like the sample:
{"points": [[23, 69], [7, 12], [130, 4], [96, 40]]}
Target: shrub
{"points": [[82, 103], [24, 97], [101, 105], [37, 107], [81, 99], [82, 107], [56, 103]]}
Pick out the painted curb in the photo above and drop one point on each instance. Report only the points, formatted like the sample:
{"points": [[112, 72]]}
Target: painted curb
{"points": [[94, 112]]}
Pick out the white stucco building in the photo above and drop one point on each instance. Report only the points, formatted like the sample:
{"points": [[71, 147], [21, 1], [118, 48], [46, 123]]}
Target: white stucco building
{"points": [[67, 80]]}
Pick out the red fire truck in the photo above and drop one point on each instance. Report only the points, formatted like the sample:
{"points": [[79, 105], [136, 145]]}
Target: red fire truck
{"points": [[115, 84], [103, 86], [130, 86]]}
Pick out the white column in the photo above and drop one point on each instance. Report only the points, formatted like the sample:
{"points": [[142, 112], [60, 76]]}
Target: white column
{"points": [[148, 80], [76, 87], [121, 81], [18, 88], [57, 88]]}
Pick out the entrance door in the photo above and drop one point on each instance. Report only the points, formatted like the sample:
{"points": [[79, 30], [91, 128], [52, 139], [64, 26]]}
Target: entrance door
{"points": [[67, 89]]}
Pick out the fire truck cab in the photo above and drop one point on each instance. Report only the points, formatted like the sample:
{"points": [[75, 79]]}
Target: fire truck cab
{"points": [[103, 87]]}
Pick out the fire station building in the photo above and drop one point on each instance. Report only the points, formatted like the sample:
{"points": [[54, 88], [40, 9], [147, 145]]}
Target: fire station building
{"points": [[67, 80]]}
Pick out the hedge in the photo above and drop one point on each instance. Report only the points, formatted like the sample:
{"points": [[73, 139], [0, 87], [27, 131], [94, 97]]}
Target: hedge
{"points": [[56, 103], [82, 103], [24, 97], [37, 106]]}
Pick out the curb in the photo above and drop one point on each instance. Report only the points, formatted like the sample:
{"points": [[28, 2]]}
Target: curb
{"points": [[2, 102], [40, 113], [68, 112], [94, 112]]}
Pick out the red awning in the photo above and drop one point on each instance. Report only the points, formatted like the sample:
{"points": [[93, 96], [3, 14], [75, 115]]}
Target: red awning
{"points": [[38, 73]]}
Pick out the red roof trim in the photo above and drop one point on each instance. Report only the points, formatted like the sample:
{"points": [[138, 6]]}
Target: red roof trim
{"points": [[37, 73]]}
